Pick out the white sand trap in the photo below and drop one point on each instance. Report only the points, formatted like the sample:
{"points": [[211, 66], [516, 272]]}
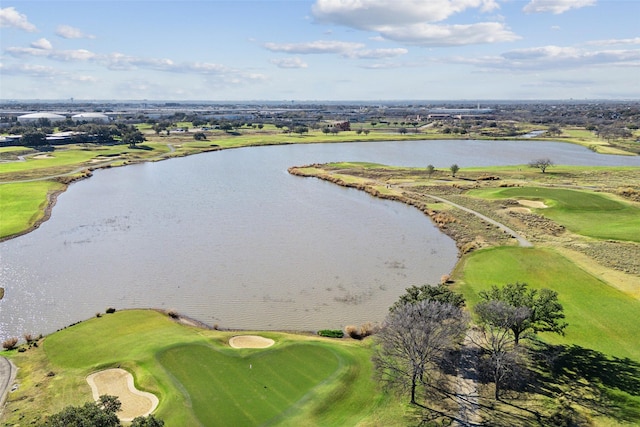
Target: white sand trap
{"points": [[250, 341], [118, 382], [532, 204]]}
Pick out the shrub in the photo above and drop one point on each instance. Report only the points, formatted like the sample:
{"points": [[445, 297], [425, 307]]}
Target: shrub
{"points": [[173, 313], [29, 338], [368, 328], [363, 331], [10, 343], [331, 333], [353, 332], [110, 310]]}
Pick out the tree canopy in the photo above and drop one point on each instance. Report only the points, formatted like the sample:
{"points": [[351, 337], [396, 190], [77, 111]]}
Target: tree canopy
{"points": [[101, 413], [440, 293], [526, 309]]}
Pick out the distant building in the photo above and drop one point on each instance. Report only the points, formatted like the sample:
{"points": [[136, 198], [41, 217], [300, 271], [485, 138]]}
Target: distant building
{"points": [[34, 117], [90, 117], [343, 126]]}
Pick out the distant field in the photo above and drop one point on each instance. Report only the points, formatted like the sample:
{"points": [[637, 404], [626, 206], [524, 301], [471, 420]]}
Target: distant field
{"points": [[583, 212], [599, 317]]}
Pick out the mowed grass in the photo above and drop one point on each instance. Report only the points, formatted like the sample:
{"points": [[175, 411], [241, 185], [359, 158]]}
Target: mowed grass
{"points": [[18, 199], [583, 212], [201, 380], [249, 387], [600, 317]]}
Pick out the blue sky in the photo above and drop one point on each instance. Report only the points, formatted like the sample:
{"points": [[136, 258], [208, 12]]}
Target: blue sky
{"points": [[320, 49]]}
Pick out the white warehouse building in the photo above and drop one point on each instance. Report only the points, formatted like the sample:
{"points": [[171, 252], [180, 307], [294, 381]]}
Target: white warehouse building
{"points": [[34, 117], [90, 117]]}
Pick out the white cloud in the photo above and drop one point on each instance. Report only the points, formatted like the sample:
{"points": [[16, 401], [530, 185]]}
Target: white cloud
{"points": [[615, 42], [11, 18], [58, 55], [368, 14], [29, 69], [415, 22], [553, 58], [289, 63], [42, 44], [556, 6], [121, 62], [449, 35], [319, 46], [68, 32], [377, 53]]}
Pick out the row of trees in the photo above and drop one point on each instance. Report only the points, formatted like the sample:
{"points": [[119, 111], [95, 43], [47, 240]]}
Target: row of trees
{"points": [[94, 133], [427, 327]]}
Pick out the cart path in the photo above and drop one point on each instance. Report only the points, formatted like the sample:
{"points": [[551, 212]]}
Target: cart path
{"points": [[7, 377], [521, 240]]}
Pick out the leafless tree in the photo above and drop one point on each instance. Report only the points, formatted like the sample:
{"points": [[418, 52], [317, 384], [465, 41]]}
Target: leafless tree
{"points": [[541, 164], [415, 339], [498, 341]]}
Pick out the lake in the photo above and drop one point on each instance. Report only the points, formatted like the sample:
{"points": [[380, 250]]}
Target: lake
{"points": [[231, 239]]}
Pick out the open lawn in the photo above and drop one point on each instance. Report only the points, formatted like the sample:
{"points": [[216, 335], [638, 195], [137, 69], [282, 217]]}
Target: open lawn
{"points": [[583, 212], [600, 317], [200, 379], [18, 199]]}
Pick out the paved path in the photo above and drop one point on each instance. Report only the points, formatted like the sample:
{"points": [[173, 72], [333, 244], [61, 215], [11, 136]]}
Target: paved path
{"points": [[521, 240], [7, 377]]}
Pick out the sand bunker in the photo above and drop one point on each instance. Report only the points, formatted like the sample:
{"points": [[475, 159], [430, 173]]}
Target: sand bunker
{"points": [[118, 382], [250, 341], [532, 204]]}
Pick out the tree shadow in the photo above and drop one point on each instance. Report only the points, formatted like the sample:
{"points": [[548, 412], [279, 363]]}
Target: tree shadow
{"points": [[601, 383]]}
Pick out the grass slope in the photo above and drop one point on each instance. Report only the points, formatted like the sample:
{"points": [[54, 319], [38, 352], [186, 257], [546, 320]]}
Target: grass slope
{"points": [[599, 317], [23, 205]]}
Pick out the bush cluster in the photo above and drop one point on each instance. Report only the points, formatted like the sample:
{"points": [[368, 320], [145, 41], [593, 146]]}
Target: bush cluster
{"points": [[331, 333]]}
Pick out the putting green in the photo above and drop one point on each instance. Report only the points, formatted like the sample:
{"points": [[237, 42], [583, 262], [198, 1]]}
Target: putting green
{"points": [[250, 388], [583, 212]]}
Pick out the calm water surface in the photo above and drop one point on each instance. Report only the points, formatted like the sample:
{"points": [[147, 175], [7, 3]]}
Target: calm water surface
{"points": [[230, 238]]}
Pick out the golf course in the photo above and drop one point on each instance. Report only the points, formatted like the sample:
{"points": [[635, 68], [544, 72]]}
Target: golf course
{"points": [[582, 228]]}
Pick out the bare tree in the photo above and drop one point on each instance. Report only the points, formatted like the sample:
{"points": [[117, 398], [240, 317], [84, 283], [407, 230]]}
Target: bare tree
{"points": [[541, 164], [415, 339], [497, 339]]}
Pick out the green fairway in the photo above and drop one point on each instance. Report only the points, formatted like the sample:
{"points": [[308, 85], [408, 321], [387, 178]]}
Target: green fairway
{"points": [[599, 317], [201, 380], [583, 212], [16, 199]]}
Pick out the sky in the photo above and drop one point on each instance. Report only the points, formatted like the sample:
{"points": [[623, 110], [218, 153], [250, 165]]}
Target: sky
{"points": [[319, 50]]}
